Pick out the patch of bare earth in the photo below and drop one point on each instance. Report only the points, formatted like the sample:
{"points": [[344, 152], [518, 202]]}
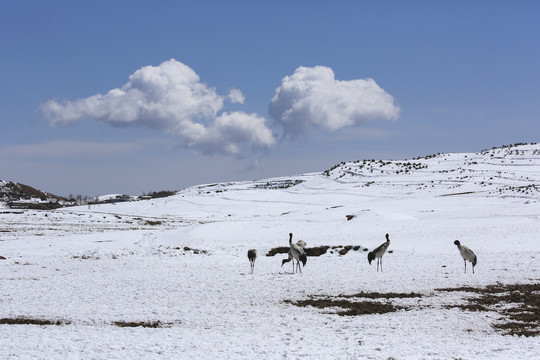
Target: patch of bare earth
{"points": [[319, 250], [518, 304], [147, 324], [31, 321], [22, 320], [349, 305]]}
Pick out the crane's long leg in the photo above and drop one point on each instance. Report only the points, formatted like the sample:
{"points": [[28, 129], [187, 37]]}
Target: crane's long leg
{"points": [[465, 262], [381, 263]]}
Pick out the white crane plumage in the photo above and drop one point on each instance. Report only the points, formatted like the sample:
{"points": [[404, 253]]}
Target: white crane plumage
{"points": [[378, 252], [467, 255], [297, 253], [252, 255], [302, 244]]}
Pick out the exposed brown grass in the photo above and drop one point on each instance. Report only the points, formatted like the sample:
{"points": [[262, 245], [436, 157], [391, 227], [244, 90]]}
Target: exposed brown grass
{"points": [[377, 295], [519, 304], [356, 308], [349, 308], [153, 223], [146, 324], [32, 321], [278, 250], [317, 250]]}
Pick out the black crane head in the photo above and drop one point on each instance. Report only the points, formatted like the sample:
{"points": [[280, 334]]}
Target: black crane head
{"points": [[284, 261], [370, 257], [290, 237], [387, 237], [457, 243]]}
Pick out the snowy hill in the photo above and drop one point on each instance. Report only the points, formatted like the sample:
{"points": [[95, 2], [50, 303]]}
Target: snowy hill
{"points": [[169, 277], [495, 172], [11, 191]]}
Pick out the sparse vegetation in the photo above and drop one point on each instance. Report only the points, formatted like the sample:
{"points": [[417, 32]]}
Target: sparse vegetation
{"points": [[317, 250], [278, 184], [32, 321], [153, 222], [475, 177], [159, 194], [146, 324], [519, 304], [350, 308], [354, 307]]}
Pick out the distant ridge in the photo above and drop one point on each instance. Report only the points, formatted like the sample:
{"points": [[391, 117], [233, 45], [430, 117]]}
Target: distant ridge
{"points": [[21, 196], [11, 191], [500, 171]]}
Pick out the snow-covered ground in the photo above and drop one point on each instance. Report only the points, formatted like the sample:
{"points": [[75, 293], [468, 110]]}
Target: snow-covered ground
{"points": [[180, 263]]}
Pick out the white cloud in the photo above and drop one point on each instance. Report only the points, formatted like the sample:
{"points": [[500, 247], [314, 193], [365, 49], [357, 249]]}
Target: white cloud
{"points": [[172, 98], [312, 96], [227, 131], [236, 97]]}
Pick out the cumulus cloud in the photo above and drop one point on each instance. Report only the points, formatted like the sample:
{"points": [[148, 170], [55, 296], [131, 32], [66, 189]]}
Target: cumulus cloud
{"points": [[172, 98], [236, 97], [313, 97], [227, 131]]}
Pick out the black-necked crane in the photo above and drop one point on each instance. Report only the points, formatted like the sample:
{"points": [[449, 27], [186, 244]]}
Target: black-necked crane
{"points": [[297, 253], [467, 255], [302, 244], [378, 252], [252, 255]]}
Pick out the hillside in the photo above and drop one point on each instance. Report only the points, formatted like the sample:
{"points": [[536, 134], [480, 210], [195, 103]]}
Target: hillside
{"points": [[169, 277], [12, 191], [24, 196], [495, 172], [498, 172]]}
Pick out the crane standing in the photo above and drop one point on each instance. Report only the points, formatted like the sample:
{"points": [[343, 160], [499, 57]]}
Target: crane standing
{"points": [[467, 255], [302, 244], [298, 254], [252, 255], [378, 252]]}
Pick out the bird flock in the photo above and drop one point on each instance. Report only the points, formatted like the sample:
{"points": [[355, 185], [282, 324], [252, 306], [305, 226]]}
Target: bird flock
{"points": [[297, 254]]}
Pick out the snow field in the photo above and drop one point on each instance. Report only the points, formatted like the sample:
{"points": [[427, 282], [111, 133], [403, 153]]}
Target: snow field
{"points": [[93, 268]]}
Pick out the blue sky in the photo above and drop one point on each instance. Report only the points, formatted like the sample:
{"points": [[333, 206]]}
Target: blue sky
{"points": [[105, 97]]}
